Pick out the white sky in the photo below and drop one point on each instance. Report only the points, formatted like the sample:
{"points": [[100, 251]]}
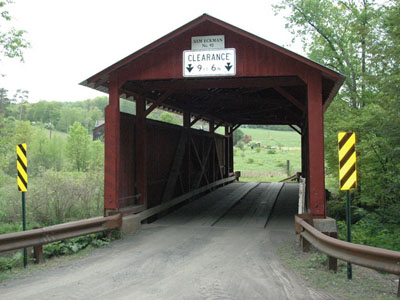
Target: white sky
{"points": [[74, 39]]}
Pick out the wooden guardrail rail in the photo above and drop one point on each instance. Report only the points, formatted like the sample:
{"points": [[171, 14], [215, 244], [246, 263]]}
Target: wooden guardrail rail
{"points": [[366, 256], [41, 236]]}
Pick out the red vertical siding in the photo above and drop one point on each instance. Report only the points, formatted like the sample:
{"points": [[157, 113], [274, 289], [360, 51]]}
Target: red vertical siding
{"points": [[316, 173], [112, 146]]}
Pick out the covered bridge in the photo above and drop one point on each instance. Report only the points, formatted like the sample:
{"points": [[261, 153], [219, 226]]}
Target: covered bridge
{"points": [[206, 70]]}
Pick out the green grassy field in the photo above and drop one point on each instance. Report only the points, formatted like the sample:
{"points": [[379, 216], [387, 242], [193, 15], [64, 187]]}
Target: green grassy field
{"points": [[264, 163], [274, 138]]}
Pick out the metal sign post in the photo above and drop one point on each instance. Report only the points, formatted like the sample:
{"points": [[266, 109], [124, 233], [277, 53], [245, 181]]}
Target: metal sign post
{"points": [[22, 181], [348, 225], [347, 176]]}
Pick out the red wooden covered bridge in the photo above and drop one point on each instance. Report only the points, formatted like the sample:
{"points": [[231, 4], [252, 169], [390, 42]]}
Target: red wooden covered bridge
{"points": [[206, 70]]}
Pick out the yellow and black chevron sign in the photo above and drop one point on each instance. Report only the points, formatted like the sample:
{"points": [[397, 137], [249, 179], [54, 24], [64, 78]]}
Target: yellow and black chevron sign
{"points": [[347, 161], [22, 165]]}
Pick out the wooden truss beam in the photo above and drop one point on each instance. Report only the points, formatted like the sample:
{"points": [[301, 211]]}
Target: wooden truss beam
{"points": [[202, 162], [218, 125], [235, 127], [160, 100], [221, 167], [295, 129], [289, 97], [195, 120]]}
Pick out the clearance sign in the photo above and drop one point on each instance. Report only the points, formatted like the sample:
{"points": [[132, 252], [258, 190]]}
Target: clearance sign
{"points": [[216, 62]]}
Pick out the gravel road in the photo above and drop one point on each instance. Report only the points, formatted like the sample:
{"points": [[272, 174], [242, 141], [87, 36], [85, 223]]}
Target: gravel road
{"points": [[221, 246]]}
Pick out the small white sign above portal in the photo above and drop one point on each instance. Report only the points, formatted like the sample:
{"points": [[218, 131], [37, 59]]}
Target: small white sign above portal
{"points": [[208, 42]]}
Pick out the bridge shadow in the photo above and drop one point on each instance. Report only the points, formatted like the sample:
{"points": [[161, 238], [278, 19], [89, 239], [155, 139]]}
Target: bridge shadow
{"points": [[239, 204]]}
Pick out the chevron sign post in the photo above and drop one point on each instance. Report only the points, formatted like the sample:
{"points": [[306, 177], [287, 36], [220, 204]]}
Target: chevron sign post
{"points": [[22, 181], [347, 176]]}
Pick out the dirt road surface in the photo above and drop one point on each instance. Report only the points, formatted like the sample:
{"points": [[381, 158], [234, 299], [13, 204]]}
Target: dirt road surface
{"points": [[221, 246]]}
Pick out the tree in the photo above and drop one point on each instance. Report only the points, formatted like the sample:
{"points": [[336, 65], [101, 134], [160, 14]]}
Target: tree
{"points": [[96, 155], [21, 96], [46, 153], [7, 133], [361, 39], [78, 150], [12, 41], [69, 116], [5, 102], [341, 35], [237, 136], [94, 115]]}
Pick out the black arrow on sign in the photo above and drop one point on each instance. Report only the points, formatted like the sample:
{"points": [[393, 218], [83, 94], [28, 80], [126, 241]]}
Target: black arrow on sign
{"points": [[228, 66], [189, 68]]}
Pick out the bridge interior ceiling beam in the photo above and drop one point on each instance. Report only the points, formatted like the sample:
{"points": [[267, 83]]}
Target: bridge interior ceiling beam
{"points": [[261, 100]]}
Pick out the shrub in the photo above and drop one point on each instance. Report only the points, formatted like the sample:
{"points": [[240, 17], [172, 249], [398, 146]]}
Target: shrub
{"points": [[240, 145], [271, 151], [246, 138], [250, 161], [10, 201], [59, 197], [237, 136]]}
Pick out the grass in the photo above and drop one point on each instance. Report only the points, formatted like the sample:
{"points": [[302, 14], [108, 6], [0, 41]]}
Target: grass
{"points": [[274, 137], [312, 267]]}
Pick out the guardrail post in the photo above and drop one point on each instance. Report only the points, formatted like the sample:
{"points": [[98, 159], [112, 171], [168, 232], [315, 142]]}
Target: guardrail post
{"points": [[303, 242], [332, 261], [38, 254]]}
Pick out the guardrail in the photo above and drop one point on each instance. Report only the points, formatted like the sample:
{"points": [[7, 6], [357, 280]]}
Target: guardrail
{"points": [[38, 237], [366, 256]]}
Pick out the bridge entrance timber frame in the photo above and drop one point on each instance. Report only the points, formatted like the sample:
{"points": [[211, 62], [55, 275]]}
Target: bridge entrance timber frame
{"points": [[149, 162]]}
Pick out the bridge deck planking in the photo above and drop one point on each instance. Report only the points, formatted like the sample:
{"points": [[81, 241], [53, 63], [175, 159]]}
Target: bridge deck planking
{"points": [[235, 205], [186, 213], [254, 209], [209, 208]]}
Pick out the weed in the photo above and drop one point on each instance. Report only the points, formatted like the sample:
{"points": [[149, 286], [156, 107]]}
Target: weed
{"points": [[74, 245], [250, 161], [7, 263]]}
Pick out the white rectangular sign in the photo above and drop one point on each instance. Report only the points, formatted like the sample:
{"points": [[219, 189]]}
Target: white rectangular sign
{"points": [[199, 63], [208, 42]]}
